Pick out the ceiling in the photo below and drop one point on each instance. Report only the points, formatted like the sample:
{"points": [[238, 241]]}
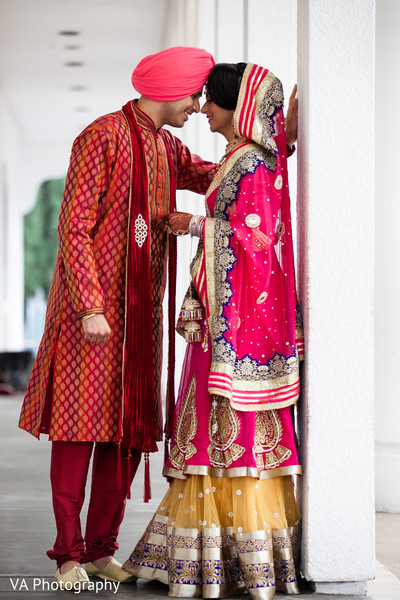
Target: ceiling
{"points": [[65, 62]]}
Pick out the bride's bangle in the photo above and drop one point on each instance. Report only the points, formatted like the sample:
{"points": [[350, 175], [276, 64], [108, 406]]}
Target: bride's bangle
{"points": [[196, 226]]}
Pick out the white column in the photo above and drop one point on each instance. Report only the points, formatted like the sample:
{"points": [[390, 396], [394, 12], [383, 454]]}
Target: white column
{"points": [[11, 242], [387, 257], [271, 38], [191, 23], [230, 31], [335, 224], [271, 41], [175, 32], [230, 41]]}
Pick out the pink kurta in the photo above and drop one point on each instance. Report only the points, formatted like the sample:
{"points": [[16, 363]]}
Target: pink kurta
{"points": [[89, 276], [249, 357]]}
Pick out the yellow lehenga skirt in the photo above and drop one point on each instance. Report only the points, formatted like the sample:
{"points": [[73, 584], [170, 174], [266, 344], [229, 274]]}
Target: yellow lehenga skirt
{"points": [[213, 537], [229, 521]]}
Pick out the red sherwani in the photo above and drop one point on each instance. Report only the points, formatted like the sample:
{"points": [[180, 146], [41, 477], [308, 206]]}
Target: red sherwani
{"points": [[90, 276]]}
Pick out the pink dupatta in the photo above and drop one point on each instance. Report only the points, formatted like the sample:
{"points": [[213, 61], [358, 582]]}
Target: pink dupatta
{"points": [[244, 270]]}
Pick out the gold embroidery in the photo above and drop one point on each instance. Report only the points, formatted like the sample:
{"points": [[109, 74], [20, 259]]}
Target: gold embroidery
{"points": [[248, 369], [258, 575], [267, 451], [210, 570], [156, 527], [232, 472], [150, 555], [218, 541], [257, 545], [245, 160], [285, 570], [222, 559], [270, 98], [286, 541], [184, 541], [223, 430], [299, 324], [184, 571], [225, 259], [186, 428]]}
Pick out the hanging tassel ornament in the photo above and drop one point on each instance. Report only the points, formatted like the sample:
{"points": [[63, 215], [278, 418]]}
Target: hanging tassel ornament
{"points": [[191, 311], [192, 332]]}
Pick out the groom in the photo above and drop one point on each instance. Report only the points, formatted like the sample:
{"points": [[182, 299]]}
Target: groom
{"points": [[95, 385]]}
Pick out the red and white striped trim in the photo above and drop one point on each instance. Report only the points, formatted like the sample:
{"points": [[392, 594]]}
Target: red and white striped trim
{"points": [[218, 383], [300, 346]]}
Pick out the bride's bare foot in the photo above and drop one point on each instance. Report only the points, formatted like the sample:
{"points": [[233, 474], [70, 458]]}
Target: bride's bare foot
{"points": [[68, 566], [102, 562]]}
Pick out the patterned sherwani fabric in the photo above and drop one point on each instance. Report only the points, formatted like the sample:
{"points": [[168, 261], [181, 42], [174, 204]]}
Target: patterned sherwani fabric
{"points": [[89, 277]]}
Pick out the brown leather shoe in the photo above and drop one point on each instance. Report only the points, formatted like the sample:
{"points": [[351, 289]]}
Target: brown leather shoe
{"points": [[112, 572]]}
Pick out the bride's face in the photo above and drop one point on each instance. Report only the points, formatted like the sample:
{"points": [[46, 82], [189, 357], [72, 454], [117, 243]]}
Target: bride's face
{"points": [[219, 119]]}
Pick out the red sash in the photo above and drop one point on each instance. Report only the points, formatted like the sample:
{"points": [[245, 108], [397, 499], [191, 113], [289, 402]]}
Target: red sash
{"points": [[138, 417]]}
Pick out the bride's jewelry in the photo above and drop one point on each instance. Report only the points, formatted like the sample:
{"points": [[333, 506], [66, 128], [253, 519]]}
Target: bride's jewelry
{"points": [[236, 142], [196, 226], [191, 311]]}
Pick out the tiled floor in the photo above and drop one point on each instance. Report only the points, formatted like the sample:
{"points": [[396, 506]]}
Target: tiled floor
{"points": [[388, 541], [27, 526]]}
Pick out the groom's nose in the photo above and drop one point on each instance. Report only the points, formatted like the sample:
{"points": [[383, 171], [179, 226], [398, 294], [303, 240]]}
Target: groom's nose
{"points": [[196, 105]]}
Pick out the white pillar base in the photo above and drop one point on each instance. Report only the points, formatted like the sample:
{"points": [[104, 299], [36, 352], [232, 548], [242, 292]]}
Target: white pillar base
{"points": [[341, 588]]}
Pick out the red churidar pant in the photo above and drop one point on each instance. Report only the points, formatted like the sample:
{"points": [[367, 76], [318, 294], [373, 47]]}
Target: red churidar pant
{"points": [[68, 474]]}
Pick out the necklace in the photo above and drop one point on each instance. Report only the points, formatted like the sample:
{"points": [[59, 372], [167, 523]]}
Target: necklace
{"points": [[230, 147]]}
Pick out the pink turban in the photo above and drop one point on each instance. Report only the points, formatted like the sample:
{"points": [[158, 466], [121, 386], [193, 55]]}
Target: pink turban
{"points": [[172, 74]]}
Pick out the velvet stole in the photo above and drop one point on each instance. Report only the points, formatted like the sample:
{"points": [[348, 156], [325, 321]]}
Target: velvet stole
{"points": [[137, 427], [138, 417]]}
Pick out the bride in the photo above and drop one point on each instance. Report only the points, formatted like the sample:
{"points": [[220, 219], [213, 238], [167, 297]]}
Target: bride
{"points": [[229, 521]]}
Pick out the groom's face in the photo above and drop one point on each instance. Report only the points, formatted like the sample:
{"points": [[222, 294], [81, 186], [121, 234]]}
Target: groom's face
{"points": [[177, 112]]}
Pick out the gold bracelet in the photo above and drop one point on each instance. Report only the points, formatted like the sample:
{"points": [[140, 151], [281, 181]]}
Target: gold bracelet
{"points": [[88, 316], [180, 231]]}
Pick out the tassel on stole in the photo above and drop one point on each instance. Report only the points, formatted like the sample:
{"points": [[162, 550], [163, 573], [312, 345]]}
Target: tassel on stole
{"points": [[147, 486]]}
